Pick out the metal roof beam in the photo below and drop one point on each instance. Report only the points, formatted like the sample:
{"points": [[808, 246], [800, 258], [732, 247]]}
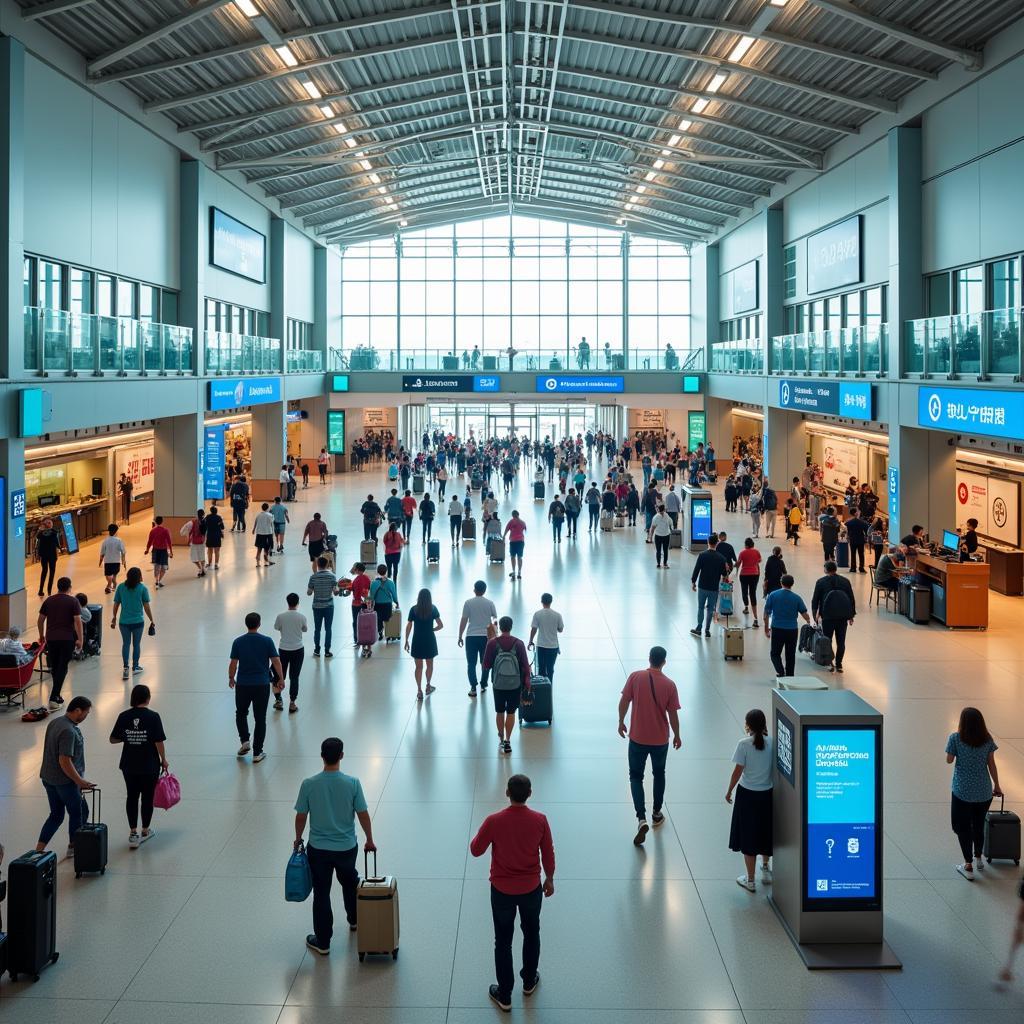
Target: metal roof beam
{"points": [[481, 202], [52, 7], [302, 68], [973, 60], [615, 192], [877, 104], [732, 101], [201, 9], [685, 21], [585, 214]]}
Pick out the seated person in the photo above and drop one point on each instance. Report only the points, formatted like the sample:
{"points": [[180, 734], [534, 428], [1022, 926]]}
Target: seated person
{"points": [[11, 645], [970, 536], [886, 574], [914, 539], [83, 600]]}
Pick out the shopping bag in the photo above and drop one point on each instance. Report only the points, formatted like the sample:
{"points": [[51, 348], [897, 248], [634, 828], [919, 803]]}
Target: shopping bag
{"points": [[167, 792], [298, 879]]}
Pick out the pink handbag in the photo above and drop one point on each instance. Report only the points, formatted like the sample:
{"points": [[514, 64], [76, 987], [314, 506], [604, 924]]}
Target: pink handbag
{"points": [[167, 792]]}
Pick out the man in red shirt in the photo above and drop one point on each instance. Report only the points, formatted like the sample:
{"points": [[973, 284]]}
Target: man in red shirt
{"points": [[502, 656], [520, 842], [160, 543], [655, 702]]}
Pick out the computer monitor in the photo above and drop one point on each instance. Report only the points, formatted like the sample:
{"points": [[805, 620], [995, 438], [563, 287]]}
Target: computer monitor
{"points": [[951, 540]]}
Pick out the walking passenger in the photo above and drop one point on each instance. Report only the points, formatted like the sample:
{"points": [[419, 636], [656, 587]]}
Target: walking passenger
{"points": [[162, 546], [48, 544], [751, 830], [291, 650], [515, 530], [393, 544], [709, 570], [424, 621], [140, 732], [509, 664], [833, 607], [322, 586], [660, 531], [315, 534], [781, 611], [253, 658], [475, 628], [131, 599], [59, 628], [214, 537], [545, 627], [112, 557], [749, 561]]}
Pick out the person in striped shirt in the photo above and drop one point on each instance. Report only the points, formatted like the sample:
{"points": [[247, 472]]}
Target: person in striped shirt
{"points": [[322, 587]]}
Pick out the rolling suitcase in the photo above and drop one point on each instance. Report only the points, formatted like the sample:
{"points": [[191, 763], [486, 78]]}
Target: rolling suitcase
{"points": [[620, 518], [919, 607], [607, 521], [417, 483], [496, 549], [433, 551], [376, 913], [540, 707], [476, 481], [1002, 835], [368, 552], [91, 841], [821, 649], [393, 627], [843, 554], [806, 638], [469, 529], [732, 643], [32, 914], [538, 490], [675, 539], [366, 630]]}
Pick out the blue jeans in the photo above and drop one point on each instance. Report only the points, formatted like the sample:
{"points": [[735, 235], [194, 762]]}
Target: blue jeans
{"points": [[546, 657], [638, 754], [475, 646], [707, 602], [322, 617], [131, 636], [648, 519], [66, 797]]}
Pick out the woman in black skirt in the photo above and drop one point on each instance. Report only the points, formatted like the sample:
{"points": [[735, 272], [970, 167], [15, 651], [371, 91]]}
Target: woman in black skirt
{"points": [[751, 830]]}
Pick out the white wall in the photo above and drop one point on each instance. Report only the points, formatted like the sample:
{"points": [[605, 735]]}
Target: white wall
{"points": [[220, 284], [100, 190], [741, 246], [298, 275]]}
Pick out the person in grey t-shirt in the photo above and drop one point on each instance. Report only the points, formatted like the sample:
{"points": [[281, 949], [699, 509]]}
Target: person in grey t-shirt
{"points": [[476, 625], [291, 625], [545, 627], [63, 771]]}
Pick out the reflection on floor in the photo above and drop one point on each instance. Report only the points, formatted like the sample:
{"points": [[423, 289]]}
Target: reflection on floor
{"points": [[193, 927]]}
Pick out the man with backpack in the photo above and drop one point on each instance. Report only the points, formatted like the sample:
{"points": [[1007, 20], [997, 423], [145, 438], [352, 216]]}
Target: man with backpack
{"points": [[508, 664], [770, 508], [833, 607], [593, 500], [828, 523]]}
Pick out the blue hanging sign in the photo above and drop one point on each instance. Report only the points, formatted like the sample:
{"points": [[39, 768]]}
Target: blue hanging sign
{"points": [[894, 501], [830, 398], [213, 462], [234, 392], [972, 411], [579, 384]]}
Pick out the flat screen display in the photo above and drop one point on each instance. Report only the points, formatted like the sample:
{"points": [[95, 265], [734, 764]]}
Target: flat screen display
{"points": [[236, 247], [67, 524], [336, 431], [842, 862], [951, 540], [700, 519], [213, 462], [339, 382], [833, 256], [691, 384]]}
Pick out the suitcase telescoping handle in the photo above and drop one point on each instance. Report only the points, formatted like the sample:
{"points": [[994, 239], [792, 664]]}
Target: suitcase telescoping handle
{"points": [[367, 877], [97, 802]]}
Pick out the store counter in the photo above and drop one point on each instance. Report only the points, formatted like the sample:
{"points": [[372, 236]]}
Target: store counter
{"points": [[1006, 568], [959, 590], [91, 518]]}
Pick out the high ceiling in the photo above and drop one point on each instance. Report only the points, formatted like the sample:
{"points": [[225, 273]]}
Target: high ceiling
{"points": [[666, 116]]}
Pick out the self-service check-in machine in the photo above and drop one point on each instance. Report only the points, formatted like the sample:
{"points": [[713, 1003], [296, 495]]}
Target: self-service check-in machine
{"points": [[827, 869], [696, 517]]}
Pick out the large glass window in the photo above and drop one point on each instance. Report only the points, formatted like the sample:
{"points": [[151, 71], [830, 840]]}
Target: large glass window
{"points": [[538, 286], [81, 298], [970, 289], [1005, 276], [51, 285]]}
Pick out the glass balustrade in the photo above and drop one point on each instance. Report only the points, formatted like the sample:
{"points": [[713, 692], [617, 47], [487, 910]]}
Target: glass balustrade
{"points": [[738, 356], [969, 344], [241, 353], [57, 341], [850, 351], [303, 361]]}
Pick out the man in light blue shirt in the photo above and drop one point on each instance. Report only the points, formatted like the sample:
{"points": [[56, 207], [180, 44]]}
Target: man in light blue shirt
{"points": [[781, 611], [331, 801]]}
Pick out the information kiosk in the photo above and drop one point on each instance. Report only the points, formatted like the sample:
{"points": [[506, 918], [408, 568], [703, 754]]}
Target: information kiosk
{"points": [[696, 516], [827, 870]]}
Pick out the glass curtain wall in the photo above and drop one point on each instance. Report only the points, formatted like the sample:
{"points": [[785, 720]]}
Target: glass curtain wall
{"points": [[538, 286]]}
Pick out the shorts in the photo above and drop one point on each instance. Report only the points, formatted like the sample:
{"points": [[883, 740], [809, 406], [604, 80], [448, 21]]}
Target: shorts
{"points": [[506, 701], [111, 568], [159, 556], [515, 548], [316, 549], [279, 527], [264, 541]]}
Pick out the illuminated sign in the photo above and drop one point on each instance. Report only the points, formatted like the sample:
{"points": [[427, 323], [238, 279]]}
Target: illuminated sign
{"points": [[336, 431], [482, 382], [236, 247], [234, 392], [213, 462], [972, 411], [700, 519], [833, 256], [831, 398], [696, 429], [784, 747], [339, 382], [691, 384], [579, 384]]}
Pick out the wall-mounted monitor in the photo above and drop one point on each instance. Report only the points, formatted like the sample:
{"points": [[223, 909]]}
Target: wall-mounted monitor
{"points": [[744, 288], [236, 247], [833, 256]]}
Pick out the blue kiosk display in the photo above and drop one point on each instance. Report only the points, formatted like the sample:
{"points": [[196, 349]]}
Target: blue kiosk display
{"points": [[827, 872], [696, 517]]}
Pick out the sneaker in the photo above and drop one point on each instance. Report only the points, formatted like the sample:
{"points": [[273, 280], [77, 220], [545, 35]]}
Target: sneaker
{"points": [[766, 873], [430, 688], [136, 669], [496, 998], [124, 672], [746, 883], [279, 705], [657, 819], [69, 853], [55, 704], [528, 990], [244, 749], [961, 870], [507, 747], [980, 864], [327, 653], [133, 840], [642, 828], [313, 945], [839, 669], [316, 652], [695, 632], [707, 632], [472, 693], [261, 756], [146, 836], [501, 745], [292, 708], [352, 926], [755, 623]]}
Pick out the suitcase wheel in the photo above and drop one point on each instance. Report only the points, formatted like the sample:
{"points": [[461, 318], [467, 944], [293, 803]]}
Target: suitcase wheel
{"points": [[394, 954], [78, 874], [54, 958], [362, 957], [103, 871]]}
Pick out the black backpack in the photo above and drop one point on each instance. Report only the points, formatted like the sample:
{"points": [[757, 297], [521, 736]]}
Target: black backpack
{"points": [[836, 604]]}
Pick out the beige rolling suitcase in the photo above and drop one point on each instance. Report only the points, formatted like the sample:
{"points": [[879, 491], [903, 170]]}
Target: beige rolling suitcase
{"points": [[368, 552], [376, 912], [393, 627], [732, 643]]}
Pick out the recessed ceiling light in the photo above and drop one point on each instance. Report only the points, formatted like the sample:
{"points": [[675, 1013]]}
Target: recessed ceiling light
{"points": [[777, 3], [650, 176], [351, 143], [341, 128], [666, 152], [393, 207], [248, 8], [311, 90], [658, 164], [700, 106], [382, 189], [366, 165], [674, 140], [739, 51], [620, 221], [403, 223], [375, 178], [327, 110], [641, 189], [685, 125], [286, 55], [717, 82], [630, 206]]}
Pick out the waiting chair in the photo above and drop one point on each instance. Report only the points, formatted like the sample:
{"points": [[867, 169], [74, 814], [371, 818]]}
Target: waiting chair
{"points": [[883, 593], [15, 679]]}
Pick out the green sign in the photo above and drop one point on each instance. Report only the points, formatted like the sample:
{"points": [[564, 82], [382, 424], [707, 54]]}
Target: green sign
{"points": [[336, 431], [339, 382], [696, 429]]}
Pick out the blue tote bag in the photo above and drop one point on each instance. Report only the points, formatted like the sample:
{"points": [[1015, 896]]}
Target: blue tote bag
{"points": [[298, 879]]}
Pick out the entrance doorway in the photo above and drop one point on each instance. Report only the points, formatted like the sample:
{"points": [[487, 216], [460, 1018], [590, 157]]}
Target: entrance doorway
{"points": [[500, 419]]}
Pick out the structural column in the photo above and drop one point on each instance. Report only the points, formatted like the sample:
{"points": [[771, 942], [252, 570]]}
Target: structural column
{"points": [[278, 270], [269, 442], [326, 303], [772, 281], [704, 287], [906, 284], [925, 461], [178, 490], [194, 223], [785, 447]]}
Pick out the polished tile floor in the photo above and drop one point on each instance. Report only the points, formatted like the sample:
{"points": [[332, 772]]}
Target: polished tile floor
{"points": [[193, 927]]}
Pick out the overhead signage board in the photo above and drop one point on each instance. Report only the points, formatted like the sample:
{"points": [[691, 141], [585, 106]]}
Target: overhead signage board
{"points": [[744, 288], [842, 861], [445, 382], [19, 506], [833, 256], [336, 431], [830, 398], [235, 392], [213, 462], [700, 519], [579, 384], [696, 429], [894, 500], [972, 411], [339, 382], [236, 247]]}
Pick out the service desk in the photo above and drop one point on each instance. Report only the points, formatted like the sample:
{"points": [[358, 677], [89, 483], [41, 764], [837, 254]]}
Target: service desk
{"points": [[1007, 568], [962, 601]]}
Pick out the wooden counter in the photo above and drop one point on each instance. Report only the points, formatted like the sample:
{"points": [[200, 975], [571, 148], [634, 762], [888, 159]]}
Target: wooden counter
{"points": [[1007, 568], [965, 591]]}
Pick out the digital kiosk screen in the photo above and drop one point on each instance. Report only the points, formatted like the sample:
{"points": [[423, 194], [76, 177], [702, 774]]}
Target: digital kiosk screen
{"points": [[842, 862], [700, 519]]}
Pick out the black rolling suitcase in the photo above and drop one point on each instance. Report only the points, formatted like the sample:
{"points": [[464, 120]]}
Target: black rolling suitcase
{"points": [[32, 914], [91, 842], [469, 529], [1002, 835], [538, 490], [433, 551], [540, 707]]}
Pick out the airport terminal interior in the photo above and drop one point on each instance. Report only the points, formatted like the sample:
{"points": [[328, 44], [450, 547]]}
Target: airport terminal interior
{"points": [[759, 259]]}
